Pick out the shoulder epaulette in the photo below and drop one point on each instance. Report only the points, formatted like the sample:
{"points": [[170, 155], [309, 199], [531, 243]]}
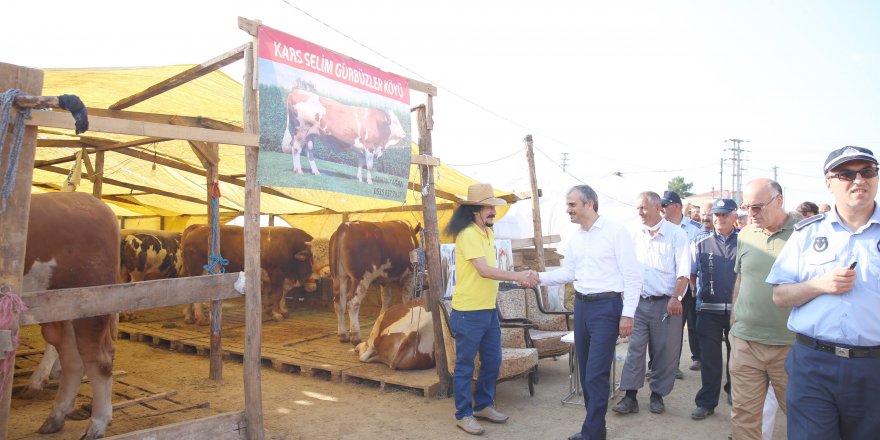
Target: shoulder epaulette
{"points": [[808, 221], [703, 235]]}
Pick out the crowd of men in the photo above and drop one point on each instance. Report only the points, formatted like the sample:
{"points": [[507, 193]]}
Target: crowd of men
{"points": [[794, 297]]}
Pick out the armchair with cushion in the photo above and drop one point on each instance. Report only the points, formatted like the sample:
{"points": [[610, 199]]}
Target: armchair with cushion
{"points": [[525, 305]]}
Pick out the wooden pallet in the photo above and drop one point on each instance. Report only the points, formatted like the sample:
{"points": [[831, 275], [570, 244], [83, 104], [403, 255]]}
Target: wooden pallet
{"points": [[304, 344], [422, 382]]}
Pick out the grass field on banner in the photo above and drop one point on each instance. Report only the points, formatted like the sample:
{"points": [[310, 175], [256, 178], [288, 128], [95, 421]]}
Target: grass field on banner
{"points": [[276, 169]]}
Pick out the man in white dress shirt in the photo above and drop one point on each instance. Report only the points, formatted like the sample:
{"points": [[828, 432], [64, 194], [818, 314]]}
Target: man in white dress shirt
{"points": [[600, 260]]}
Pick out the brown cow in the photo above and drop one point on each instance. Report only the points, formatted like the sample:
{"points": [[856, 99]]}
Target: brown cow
{"points": [[73, 241], [364, 130], [284, 257], [363, 252], [402, 338]]}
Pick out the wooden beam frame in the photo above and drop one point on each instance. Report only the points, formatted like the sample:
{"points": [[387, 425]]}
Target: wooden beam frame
{"points": [[182, 78], [82, 302], [140, 128], [145, 189]]}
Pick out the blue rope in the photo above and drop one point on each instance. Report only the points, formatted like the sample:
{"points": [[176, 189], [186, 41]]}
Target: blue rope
{"points": [[17, 140], [215, 258]]}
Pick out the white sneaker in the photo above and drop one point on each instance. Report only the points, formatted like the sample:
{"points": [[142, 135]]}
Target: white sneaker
{"points": [[491, 414], [470, 425]]}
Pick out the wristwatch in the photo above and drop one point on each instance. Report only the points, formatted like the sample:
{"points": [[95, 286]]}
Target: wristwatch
{"points": [[679, 297]]}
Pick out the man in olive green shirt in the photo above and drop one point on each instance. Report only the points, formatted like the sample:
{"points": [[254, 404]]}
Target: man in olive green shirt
{"points": [[760, 338]]}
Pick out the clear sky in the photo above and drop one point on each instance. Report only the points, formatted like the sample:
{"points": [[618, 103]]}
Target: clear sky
{"points": [[647, 89]]}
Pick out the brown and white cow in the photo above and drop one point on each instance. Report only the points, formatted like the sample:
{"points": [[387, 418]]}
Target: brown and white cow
{"points": [[364, 252], [402, 338], [366, 131], [284, 259], [149, 255], [73, 241]]}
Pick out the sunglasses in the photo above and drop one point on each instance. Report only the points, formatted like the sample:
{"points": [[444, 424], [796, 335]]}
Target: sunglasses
{"points": [[850, 175], [758, 206]]}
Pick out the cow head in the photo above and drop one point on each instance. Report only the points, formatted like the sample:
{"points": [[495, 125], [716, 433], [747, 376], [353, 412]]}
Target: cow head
{"points": [[320, 248], [397, 132]]}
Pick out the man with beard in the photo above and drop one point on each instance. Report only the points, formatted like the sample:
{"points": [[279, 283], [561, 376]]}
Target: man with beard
{"points": [[828, 271], [474, 319], [664, 252], [601, 262]]}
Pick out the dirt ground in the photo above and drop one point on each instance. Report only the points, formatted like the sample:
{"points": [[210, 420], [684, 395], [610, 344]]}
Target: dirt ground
{"points": [[299, 407]]}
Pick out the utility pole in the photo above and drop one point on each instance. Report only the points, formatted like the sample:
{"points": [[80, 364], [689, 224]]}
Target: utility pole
{"points": [[564, 161], [721, 182], [737, 169], [776, 172]]}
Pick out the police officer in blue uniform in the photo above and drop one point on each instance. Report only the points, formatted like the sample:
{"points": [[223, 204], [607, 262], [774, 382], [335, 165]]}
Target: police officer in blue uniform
{"points": [[673, 212], [829, 272], [714, 259]]}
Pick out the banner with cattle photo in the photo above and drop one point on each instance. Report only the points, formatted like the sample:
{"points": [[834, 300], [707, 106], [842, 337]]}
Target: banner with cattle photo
{"points": [[329, 122]]}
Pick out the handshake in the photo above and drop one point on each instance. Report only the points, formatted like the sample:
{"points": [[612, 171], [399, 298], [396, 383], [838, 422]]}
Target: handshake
{"points": [[528, 278]]}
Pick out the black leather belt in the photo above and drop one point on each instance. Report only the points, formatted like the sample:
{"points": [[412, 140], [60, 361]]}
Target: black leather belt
{"points": [[845, 351], [656, 297], [595, 296]]}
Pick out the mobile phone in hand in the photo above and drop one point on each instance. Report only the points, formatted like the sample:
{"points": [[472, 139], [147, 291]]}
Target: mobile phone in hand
{"points": [[853, 265]]}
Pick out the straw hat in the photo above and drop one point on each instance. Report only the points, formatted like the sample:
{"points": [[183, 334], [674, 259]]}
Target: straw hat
{"points": [[482, 194]]}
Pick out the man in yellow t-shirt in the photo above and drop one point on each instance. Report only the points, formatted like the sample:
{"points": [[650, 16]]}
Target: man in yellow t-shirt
{"points": [[474, 320]]}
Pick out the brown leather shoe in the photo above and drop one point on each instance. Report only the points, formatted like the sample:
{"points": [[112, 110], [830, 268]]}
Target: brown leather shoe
{"points": [[696, 365]]}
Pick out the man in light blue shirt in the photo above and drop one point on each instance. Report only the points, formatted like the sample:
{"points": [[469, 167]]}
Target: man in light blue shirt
{"points": [[829, 272], [664, 252]]}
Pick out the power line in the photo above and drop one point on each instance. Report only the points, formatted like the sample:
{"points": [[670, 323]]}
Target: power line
{"points": [[451, 92], [487, 162]]}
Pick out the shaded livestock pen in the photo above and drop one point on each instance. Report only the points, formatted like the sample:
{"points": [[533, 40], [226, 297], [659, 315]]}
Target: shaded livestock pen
{"points": [[305, 343]]}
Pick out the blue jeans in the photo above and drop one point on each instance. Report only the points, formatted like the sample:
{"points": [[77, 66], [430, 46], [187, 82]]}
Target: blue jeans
{"points": [[475, 331], [596, 326]]}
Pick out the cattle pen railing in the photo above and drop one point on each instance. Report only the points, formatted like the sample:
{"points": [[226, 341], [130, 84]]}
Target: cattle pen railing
{"points": [[65, 304], [55, 305]]}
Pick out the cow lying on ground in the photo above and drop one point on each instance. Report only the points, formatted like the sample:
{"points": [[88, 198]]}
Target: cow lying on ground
{"points": [[284, 259], [402, 338], [366, 131], [361, 253], [73, 241]]}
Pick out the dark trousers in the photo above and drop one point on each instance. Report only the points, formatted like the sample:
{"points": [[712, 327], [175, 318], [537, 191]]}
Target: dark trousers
{"points": [[475, 331], [831, 397], [712, 329], [689, 310], [596, 327]]}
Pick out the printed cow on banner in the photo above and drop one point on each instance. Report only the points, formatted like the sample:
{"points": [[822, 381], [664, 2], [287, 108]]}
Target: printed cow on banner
{"points": [[364, 130]]}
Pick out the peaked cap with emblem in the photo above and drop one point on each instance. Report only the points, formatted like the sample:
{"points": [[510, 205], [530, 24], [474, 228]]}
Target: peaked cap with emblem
{"points": [[843, 155], [723, 206]]}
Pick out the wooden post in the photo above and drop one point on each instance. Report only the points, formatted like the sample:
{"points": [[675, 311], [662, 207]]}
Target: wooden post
{"points": [[253, 399], [14, 220], [98, 177], [432, 246], [536, 204], [216, 356]]}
